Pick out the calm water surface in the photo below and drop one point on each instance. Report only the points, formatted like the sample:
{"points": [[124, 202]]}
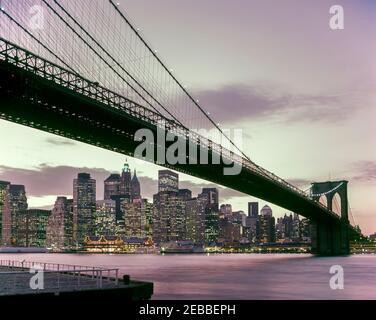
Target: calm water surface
{"points": [[234, 276]]}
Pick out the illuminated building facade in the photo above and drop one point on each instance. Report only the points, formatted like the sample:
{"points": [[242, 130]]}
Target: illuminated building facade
{"points": [[135, 188], [253, 209], [169, 217], [105, 218], [168, 181], [266, 225], [195, 221], [18, 207], [31, 228], [125, 185], [59, 230], [84, 207], [112, 186], [210, 197], [5, 218]]}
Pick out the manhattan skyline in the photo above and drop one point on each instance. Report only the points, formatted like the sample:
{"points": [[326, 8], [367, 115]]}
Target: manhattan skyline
{"points": [[305, 131]]}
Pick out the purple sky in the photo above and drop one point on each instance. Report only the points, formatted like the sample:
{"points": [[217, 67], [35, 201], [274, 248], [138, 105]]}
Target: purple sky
{"points": [[303, 94]]}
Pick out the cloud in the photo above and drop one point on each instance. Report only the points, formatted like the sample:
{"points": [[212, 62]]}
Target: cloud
{"points": [[365, 171], [46, 180], [60, 141], [233, 103]]}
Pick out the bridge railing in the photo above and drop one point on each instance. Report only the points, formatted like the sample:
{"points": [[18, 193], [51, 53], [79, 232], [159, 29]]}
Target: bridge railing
{"points": [[26, 60], [15, 277]]}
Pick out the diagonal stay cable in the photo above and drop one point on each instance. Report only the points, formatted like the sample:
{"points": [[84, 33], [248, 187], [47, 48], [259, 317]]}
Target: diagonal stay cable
{"points": [[38, 41], [112, 58], [176, 81]]}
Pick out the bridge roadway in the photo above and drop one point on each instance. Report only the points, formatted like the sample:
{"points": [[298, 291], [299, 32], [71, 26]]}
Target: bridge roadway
{"points": [[45, 96]]}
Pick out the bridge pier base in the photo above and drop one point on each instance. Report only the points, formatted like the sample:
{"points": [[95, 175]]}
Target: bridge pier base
{"points": [[330, 239]]}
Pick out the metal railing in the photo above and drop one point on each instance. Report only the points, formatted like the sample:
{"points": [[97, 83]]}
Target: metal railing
{"points": [[16, 277]]}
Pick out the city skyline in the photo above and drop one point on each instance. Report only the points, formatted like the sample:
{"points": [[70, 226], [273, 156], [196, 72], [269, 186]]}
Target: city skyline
{"points": [[123, 220], [146, 193]]}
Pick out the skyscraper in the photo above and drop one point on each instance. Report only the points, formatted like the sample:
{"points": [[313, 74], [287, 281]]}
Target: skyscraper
{"points": [[125, 185], [138, 219], [210, 197], [147, 210], [195, 220], [135, 188], [59, 230], [305, 230], [168, 181], [169, 217], [84, 206], [31, 228], [253, 209], [266, 225], [5, 219], [112, 186], [185, 194], [226, 210], [133, 220], [105, 218], [18, 206]]}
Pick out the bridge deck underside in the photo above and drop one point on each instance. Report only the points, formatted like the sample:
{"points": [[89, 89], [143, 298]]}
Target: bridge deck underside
{"points": [[34, 101]]}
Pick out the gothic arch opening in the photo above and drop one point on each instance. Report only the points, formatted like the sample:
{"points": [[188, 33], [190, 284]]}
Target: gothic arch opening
{"points": [[336, 204], [323, 200]]}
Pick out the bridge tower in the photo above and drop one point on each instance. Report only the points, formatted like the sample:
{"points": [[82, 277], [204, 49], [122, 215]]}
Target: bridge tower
{"points": [[331, 238]]}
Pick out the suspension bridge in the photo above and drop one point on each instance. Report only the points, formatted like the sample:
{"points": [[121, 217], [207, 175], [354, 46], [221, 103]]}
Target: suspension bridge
{"points": [[82, 70]]}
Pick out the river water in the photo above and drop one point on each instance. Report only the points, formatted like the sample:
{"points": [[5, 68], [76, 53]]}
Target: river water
{"points": [[234, 276]]}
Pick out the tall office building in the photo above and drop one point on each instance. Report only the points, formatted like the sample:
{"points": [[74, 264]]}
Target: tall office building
{"points": [[305, 230], [185, 194], [195, 220], [133, 220], [225, 210], [284, 228], [59, 230], [169, 208], [229, 232], [169, 217], [5, 218], [105, 218], [250, 229], [295, 234], [168, 181], [253, 209], [210, 197], [84, 206], [135, 188], [112, 186], [138, 218], [147, 210], [266, 225], [32, 228], [18, 206], [125, 185], [238, 217]]}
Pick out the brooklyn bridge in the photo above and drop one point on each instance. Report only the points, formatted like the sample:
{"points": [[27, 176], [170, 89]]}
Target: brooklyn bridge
{"points": [[82, 70]]}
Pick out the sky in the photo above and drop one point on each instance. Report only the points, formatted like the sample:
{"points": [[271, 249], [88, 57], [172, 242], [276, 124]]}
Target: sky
{"points": [[303, 94]]}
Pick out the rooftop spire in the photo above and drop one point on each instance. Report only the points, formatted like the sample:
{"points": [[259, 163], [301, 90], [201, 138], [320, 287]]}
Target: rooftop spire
{"points": [[126, 166]]}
